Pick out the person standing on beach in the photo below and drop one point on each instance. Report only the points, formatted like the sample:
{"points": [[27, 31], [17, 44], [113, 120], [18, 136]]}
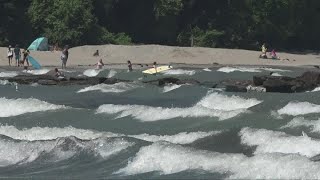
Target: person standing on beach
{"points": [[10, 55], [155, 66], [64, 56], [264, 51], [17, 54], [25, 53]]}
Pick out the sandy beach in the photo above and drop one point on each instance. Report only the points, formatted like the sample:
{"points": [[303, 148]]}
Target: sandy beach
{"points": [[147, 54]]}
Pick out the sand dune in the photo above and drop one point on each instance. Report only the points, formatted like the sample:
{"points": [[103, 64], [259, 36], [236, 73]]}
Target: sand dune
{"points": [[115, 54]]}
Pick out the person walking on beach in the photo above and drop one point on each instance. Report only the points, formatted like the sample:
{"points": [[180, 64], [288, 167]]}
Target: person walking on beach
{"points": [[10, 54], [64, 56], [25, 53], [17, 54], [129, 66]]}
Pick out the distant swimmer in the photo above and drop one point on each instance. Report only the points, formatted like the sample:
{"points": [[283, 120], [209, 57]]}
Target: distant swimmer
{"points": [[129, 66], [99, 64]]}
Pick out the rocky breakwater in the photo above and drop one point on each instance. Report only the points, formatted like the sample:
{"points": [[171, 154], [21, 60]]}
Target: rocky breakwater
{"points": [[52, 80], [306, 82]]}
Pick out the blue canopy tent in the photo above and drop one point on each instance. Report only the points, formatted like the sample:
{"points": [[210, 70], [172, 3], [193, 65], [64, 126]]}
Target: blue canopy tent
{"points": [[40, 44]]}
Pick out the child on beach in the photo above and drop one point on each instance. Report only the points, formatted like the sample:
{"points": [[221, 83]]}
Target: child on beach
{"points": [[10, 55], [17, 54], [99, 64]]}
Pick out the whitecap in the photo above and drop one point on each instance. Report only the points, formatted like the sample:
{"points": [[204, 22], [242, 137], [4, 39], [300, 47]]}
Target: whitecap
{"points": [[5, 82], [8, 74], [111, 73], [109, 88], [167, 158], [37, 71], [299, 108], [91, 72], [240, 69], [179, 72], [276, 74], [267, 141], [181, 138], [212, 105], [316, 89], [314, 125], [15, 107], [170, 87], [207, 69]]}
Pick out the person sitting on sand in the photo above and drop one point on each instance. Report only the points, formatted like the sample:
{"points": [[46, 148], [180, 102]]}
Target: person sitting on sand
{"points": [[96, 53], [99, 64], [58, 74], [264, 51], [129, 66], [274, 55]]}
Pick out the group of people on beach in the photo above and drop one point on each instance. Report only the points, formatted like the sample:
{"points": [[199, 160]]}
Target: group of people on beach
{"points": [[16, 53], [273, 53]]}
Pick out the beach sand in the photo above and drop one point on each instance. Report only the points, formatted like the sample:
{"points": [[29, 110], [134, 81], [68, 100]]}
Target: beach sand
{"points": [[117, 55]]}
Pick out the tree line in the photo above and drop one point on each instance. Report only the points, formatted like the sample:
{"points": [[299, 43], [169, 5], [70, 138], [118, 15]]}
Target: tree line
{"points": [[246, 24]]}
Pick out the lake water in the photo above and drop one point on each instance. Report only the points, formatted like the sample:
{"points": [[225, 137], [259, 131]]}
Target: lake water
{"points": [[138, 130]]}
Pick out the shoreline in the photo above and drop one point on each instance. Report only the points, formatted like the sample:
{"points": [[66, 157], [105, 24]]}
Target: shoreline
{"points": [[188, 57]]}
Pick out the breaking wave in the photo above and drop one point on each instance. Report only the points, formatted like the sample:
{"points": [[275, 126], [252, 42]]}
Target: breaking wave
{"points": [[109, 88], [170, 87], [299, 108], [267, 141], [168, 158], [15, 107], [212, 105], [91, 72], [179, 72]]}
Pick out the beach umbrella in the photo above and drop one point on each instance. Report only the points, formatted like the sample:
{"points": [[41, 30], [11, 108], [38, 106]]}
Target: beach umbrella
{"points": [[40, 44]]}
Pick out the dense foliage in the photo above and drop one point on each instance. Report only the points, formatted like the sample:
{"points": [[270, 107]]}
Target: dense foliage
{"points": [[283, 24]]}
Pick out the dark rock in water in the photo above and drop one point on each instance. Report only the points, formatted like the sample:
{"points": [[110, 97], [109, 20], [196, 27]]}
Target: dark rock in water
{"points": [[52, 80], [310, 77], [232, 85], [47, 82]]}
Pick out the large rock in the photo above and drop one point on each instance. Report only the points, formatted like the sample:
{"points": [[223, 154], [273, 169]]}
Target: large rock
{"points": [[172, 80], [232, 85]]}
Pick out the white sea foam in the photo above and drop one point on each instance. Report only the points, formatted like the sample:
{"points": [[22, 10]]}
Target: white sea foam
{"points": [[37, 71], [299, 108], [8, 74], [167, 158], [249, 69], [46, 133], [316, 89], [275, 70], [50, 133], [15, 107], [212, 105], [179, 72], [181, 138], [276, 74], [91, 72], [207, 69], [109, 88], [271, 142], [171, 87], [22, 152], [240, 69], [4, 82], [314, 125], [111, 73]]}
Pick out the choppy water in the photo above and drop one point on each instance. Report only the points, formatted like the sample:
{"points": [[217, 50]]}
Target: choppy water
{"points": [[136, 130]]}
